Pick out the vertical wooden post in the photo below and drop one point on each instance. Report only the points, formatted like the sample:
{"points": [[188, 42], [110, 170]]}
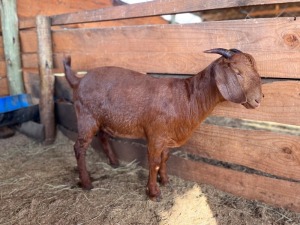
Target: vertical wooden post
{"points": [[43, 24], [10, 32]]}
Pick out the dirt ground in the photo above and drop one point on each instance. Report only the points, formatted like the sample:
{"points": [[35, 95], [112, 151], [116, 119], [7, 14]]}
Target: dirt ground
{"points": [[38, 185]]}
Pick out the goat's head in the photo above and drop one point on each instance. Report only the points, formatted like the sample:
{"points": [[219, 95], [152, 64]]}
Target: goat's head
{"points": [[237, 78]]}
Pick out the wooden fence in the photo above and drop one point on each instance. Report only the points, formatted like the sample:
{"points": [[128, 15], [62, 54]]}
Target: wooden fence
{"points": [[178, 49]]}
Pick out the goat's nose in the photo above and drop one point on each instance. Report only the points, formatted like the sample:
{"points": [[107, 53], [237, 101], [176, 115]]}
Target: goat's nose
{"points": [[257, 101]]}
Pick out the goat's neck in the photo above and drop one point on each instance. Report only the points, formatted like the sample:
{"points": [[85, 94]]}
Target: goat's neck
{"points": [[204, 95]]}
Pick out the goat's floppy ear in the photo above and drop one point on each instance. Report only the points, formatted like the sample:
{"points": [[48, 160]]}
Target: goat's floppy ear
{"points": [[228, 84]]}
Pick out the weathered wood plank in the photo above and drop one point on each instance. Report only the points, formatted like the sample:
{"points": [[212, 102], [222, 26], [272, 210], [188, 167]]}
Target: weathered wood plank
{"points": [[179, 48], [272, 153], [9, 22], [2, 68], [276, 192], [4, 86], [1, 48], [152, 8]]}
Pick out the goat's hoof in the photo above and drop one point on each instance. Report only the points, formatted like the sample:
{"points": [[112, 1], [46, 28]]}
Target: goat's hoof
{"points": [[164, 182], [114, 164], [86, 187], [156, 197]]}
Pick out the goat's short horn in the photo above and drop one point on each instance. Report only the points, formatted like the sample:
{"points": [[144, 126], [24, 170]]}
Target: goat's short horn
{"points": [[224, 52]]}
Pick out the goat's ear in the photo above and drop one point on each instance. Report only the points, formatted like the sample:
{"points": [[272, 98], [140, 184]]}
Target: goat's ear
{"points": [[228, 84]]}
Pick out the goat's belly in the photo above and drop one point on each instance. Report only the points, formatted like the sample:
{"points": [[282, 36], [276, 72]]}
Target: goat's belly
{"points": [[124, 133]]}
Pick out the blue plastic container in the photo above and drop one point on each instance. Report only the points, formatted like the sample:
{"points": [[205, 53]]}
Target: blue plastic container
{"points": [[11, 103]]}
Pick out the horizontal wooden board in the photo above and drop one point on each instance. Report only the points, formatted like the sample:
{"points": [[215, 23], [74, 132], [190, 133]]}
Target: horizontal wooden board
{"points": [[154, 8], [2, 68], [275, 192], [25, 8], [265, 151], [178, 48], [281, 104], [4, 90]]}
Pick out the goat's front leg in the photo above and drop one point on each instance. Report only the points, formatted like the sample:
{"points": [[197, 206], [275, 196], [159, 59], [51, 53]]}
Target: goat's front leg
{"points": [[154, 158]]}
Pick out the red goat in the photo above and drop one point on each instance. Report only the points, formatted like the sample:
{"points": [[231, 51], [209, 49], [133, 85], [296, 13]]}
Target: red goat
{"points": [[164, 111]]}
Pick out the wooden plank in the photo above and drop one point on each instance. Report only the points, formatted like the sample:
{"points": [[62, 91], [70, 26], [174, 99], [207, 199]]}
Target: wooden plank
{"points": [[27, 9], [152, 8], [28, 40], [179, 48], [1, 48], [275, 192], [2, 68], [281, 104], [30, 61], [271, 153], [4, 86], [11, 43]]}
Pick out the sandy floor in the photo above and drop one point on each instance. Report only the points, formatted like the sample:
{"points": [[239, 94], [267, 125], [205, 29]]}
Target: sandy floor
{"points": [[38, 185]]}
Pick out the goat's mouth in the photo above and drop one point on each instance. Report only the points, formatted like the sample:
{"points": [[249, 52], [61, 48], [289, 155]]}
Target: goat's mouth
{"points": [[251, 105]]}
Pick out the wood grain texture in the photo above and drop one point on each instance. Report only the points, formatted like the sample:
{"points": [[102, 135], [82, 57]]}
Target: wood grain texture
{"points": [[152, 8], [4, 86], [1, 48], [178, 49], [272, 153], [275, 192], [2, 68], [27, 12], [27, 9]]}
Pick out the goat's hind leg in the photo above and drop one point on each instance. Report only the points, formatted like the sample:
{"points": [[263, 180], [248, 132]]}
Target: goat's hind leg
{"points": [[87, 128], [112, 157]]}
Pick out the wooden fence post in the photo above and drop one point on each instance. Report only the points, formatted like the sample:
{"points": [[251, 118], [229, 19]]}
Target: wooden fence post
{"points": [[10, 32], [47, 78]]}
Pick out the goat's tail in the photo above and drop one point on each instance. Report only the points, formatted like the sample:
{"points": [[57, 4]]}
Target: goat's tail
{"points": [[70, 75]]}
